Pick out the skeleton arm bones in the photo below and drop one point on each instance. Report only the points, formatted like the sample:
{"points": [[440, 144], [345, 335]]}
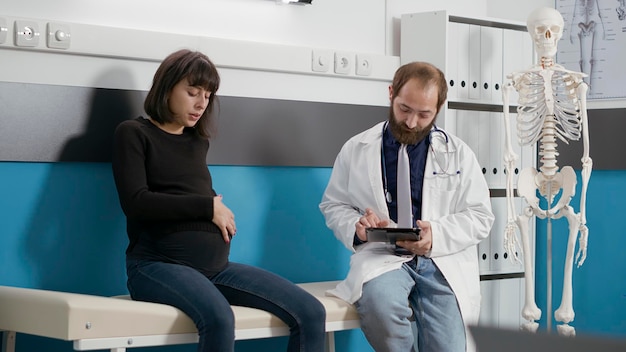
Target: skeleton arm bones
{"points": [[510, 158], [587, 165]]}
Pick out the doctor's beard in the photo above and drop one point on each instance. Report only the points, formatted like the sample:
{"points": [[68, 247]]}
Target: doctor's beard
{"points": [[405, 135]]}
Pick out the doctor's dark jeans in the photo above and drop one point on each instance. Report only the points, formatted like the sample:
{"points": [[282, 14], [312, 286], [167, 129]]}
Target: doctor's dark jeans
{"points": [[207, 301]]}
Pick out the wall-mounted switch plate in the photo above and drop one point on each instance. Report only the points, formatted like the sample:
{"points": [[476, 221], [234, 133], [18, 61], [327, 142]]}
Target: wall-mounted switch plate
{"points": [[321, 60], [343, 62], [58, 36], [4, 30], [363, 65], [26, 33]]}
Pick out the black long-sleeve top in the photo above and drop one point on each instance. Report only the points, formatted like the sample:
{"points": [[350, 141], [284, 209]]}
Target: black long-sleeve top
{"points": [[165, 189]]}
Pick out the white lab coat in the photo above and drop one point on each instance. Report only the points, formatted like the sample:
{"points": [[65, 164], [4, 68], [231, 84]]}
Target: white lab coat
{"points": [[455, 203]]}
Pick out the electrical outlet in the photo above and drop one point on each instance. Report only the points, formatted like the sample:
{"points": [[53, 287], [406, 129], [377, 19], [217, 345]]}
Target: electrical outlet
{"points": [[363, 65], [26, 33], [343, 62], [58, 36], [321, 60], [4, 30]]}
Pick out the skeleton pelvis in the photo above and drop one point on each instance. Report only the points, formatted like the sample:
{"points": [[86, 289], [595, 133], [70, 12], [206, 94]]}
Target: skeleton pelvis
{"points": [[530, 181]]}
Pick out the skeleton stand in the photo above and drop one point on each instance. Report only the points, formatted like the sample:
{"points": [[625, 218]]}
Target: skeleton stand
{"points": [[549, 270]]}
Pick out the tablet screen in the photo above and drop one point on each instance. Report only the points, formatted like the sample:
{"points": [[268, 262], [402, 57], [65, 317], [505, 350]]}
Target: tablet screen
{"points": [[391, 235]]}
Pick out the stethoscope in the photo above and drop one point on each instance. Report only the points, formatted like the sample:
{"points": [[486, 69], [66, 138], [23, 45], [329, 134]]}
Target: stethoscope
{"points": [[441, 136]]}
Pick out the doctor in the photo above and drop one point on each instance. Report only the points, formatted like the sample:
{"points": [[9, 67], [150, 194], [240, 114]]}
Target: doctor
{"points": [[435, 281]]}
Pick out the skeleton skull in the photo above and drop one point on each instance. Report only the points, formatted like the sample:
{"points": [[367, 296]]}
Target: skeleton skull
{"points": [[545, 26]]}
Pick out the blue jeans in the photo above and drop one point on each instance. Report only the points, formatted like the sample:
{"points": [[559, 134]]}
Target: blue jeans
{"points": [[207, 301], [417, 291]]}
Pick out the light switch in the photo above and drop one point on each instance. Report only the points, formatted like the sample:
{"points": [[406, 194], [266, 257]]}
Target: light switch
{"points": [[58, 36], [321, 60], [26, 33], [4, 30]]}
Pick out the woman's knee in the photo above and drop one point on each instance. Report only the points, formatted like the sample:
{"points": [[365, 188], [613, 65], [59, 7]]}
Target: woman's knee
{"points": [[217, 317], [313, 311]]}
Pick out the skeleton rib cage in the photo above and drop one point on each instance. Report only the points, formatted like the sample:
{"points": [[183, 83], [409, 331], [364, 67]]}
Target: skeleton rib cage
{"points": [[536, 122], [533, 107]]}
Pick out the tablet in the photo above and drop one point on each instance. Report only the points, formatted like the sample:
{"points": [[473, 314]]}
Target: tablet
{"points": [[391, 235]]}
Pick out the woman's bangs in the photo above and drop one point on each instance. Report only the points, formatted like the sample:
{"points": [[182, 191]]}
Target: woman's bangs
{"points": [[203, 74]]}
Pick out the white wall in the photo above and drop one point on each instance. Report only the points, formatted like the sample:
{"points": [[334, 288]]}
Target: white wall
{"points": [[337, 24], [365, 26], [267, 52], [515, 9]]}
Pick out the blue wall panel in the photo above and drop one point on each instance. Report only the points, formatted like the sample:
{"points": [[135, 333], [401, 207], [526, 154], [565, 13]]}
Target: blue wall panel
{"points": [[63, 230], [600, 283]]}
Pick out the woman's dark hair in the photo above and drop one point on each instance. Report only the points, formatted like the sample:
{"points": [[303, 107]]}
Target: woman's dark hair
{"points": [[199, 72], [426, 73]]}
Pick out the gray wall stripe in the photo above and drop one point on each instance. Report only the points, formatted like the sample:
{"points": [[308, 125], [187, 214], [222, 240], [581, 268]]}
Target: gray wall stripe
{"points": [[60, 123]]}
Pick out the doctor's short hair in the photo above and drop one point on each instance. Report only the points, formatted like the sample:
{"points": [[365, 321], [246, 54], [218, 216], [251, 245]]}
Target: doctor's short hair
{"points": [[425, 73]]}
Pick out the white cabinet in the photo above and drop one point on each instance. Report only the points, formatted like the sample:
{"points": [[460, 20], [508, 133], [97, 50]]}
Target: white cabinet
{"points": [[500, 308], [476, 55]]}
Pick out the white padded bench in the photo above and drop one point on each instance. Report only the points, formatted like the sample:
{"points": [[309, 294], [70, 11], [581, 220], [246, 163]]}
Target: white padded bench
{"points": [[118, 323]]}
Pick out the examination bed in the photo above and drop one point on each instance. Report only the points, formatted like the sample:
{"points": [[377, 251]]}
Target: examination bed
{"points": [[118, 323]]}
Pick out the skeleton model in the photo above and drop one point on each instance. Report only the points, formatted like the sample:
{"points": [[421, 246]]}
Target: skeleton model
{"points": [[552, 104], [587, 24]]}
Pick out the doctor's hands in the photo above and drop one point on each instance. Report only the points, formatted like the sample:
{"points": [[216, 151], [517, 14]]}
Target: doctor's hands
{"points": [[369, 219], [425, 244], [224, 219]]}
